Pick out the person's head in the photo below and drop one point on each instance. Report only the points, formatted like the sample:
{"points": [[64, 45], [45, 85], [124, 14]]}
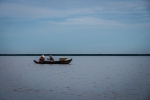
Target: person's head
{"points": [[50, 55], [42, 56]]}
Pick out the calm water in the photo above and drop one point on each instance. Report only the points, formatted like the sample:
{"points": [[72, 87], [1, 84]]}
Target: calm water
{"points": [[85, 78]]}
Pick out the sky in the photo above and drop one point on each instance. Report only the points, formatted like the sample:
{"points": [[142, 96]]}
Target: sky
{"points": [[74, 27]]}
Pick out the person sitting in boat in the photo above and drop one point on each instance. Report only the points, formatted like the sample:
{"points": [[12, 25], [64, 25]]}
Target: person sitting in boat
{"points": [[41, 59], [51, 58]]}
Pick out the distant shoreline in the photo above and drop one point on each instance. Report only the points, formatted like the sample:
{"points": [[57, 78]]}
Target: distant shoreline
{"points": [[76, 54]]}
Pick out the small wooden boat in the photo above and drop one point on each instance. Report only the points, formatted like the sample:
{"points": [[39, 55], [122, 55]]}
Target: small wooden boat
{"points": [[54, 62]]}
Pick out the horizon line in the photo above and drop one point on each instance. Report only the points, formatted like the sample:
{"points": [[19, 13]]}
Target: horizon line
{"points": [[76, 54]]}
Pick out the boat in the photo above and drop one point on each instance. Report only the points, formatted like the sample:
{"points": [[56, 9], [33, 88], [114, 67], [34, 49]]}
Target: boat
{"points": [[54, 62]]}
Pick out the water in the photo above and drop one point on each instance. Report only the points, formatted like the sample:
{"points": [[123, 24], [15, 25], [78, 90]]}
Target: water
{"points": [[85, 78]]}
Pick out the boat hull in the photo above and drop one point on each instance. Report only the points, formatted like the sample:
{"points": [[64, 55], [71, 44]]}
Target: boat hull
{"points": [[54, 62]]}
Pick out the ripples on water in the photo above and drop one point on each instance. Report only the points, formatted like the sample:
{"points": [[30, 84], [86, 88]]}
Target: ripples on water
{"points": [[85, 78]]}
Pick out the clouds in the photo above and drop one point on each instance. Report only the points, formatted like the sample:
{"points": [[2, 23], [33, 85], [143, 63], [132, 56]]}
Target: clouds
{"points": [[85, 21], [77, 12], [23, 10], [27, 11]]}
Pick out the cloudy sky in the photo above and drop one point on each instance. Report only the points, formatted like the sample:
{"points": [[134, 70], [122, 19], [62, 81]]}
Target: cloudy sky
{"points": [[74, 26]]}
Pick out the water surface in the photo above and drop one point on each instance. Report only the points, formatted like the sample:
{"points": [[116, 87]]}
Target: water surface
{"points": [[85, 78]]}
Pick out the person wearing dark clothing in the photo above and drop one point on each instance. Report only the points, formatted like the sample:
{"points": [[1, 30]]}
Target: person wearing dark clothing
{"points": [[51, 58]]}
